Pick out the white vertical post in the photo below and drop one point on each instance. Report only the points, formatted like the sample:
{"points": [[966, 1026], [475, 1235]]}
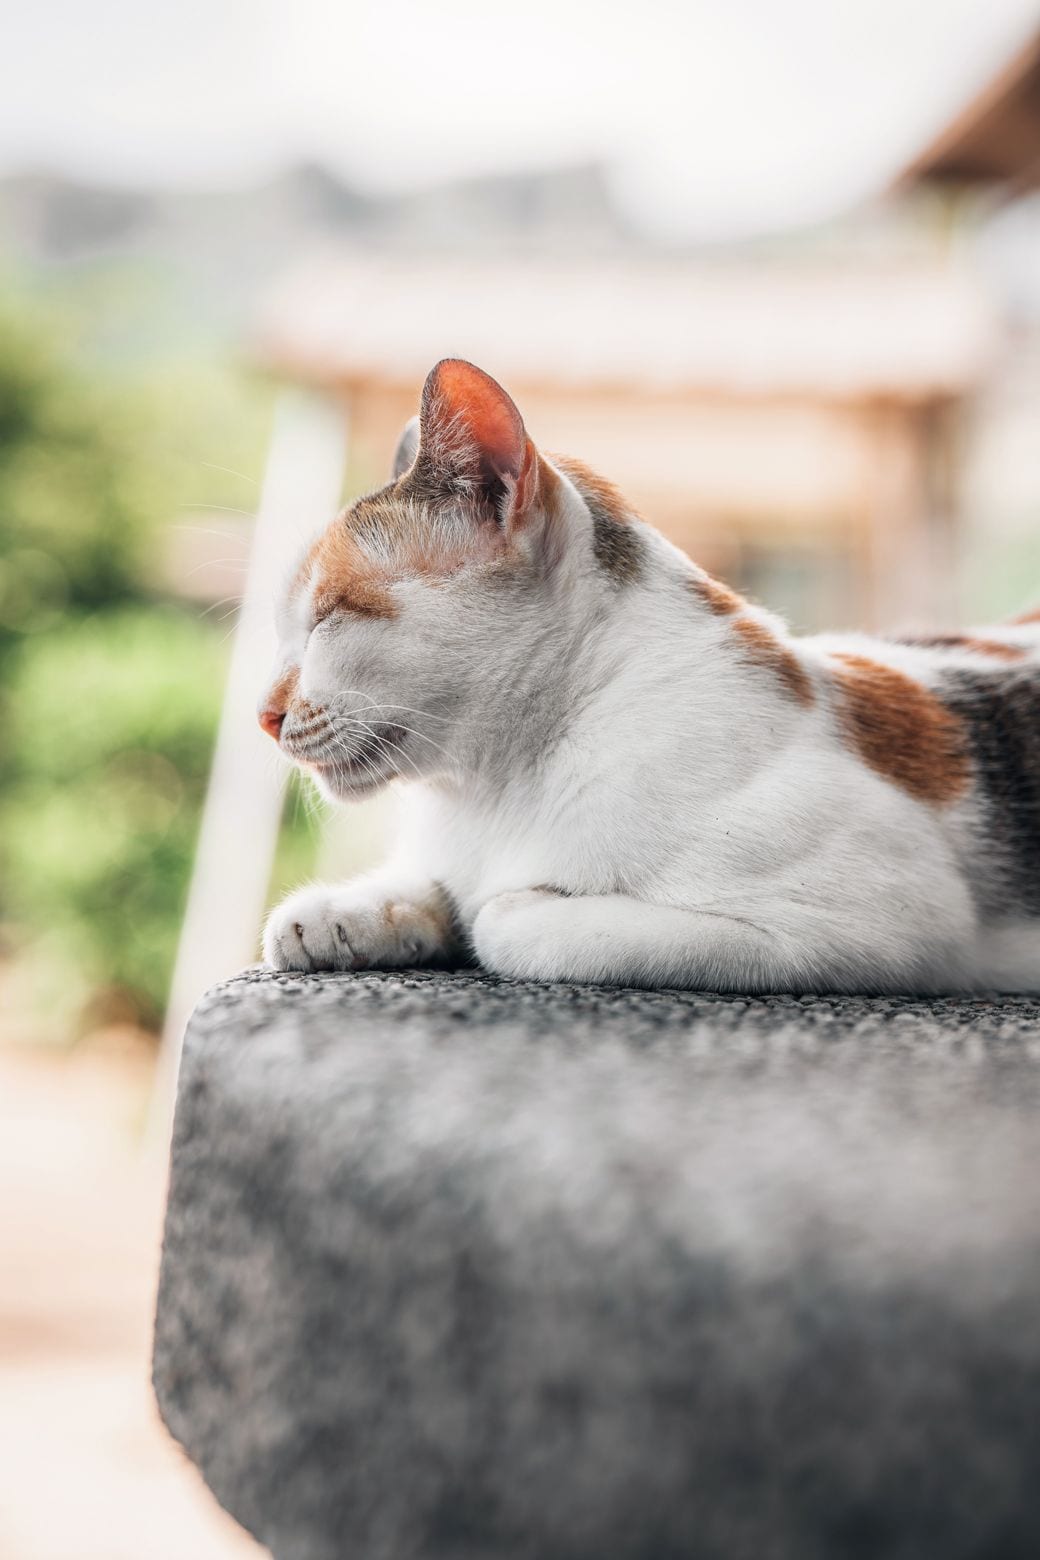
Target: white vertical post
{"points": [[242, 813]]}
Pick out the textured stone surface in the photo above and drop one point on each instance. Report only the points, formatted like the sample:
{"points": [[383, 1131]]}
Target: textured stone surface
{"points": [[460, 1268]]}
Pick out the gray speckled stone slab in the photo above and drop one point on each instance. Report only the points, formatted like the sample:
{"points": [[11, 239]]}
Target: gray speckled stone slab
{"points": [[459, 1268]]}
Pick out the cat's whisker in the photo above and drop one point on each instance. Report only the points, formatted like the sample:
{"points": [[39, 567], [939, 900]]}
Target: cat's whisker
{"points": [[315, 729], [358, 693], [205, 530], [376, 709], [316, 806], [392, 749], [224, 601], [227, 509], [316, 723], [409, 730], [212, 465], [395, 752], [308, 752], [341, 765], [225, 637], [370, 769], [326, 748], [217, 563], [399, 751]]}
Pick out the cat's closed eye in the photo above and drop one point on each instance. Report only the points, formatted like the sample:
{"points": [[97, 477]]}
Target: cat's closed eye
{"points": [[361, 600]]}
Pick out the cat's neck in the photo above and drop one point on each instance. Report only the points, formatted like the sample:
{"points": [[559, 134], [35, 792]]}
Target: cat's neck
{"points": [[603, 668]]}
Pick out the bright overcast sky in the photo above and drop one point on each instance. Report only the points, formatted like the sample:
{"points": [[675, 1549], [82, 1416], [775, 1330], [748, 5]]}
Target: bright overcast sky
{"points": [[716, 116]]}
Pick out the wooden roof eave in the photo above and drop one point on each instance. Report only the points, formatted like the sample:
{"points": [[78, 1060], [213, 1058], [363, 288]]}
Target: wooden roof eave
{"points": [[994, 140]]}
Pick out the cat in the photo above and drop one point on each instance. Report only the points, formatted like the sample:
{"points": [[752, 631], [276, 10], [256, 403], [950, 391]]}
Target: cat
{"points": [[619, 770]]}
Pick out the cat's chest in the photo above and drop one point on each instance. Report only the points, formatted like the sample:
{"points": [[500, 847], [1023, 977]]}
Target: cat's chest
{"points": [[492, 860], [480, 847]]}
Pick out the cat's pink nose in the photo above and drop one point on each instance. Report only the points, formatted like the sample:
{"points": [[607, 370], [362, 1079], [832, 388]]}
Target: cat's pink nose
{"points": [[272, 722]]}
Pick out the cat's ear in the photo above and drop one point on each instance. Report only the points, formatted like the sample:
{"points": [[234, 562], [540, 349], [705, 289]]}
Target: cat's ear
{"points": [[473, 443], [407, 449]]}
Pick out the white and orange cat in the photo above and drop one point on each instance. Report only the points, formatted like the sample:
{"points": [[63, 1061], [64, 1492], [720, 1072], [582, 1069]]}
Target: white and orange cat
{"points": [[618, 770]]}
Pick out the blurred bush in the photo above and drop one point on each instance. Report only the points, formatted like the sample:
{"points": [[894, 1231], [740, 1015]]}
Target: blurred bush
{"points": [[109, 689], [110, 723], [73, 500]]}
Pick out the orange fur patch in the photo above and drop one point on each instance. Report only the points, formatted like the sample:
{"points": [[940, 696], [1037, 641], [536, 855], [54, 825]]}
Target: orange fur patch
{"points": [[995, 648], [1032, 616], [992, 647], [901, 730], [344, 578], [284, 690], [718, 598], [765, 649], [602, 492], [434, 915]]}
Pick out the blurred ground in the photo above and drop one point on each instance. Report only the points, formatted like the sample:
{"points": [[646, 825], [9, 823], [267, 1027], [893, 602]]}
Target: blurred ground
{"points": [[88, 1470]]}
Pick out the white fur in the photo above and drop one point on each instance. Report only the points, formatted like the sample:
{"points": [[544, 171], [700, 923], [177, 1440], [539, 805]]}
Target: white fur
{"points": [[610, 791]]}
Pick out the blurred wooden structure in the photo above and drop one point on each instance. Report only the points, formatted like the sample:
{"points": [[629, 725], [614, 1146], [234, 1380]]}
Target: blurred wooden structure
{"points": [[995, 140], [762, 415]]}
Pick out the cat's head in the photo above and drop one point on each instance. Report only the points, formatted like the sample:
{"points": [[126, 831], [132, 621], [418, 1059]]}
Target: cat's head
{"points": [[413, 615]]}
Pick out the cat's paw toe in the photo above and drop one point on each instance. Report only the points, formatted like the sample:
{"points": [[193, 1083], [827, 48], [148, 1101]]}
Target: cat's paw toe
{"points": [[348, 927], [314, 930]]}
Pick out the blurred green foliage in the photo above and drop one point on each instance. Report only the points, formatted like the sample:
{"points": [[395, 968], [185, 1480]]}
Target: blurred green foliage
{"points": [[110, 722], [73, 502], [109, 687]]}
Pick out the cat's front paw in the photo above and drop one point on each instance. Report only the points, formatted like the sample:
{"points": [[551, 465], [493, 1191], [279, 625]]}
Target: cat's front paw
{"points": [[351, 927]]}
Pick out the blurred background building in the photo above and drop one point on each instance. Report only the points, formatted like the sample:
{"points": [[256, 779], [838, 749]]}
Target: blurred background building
{"points": [[773, 268]]}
